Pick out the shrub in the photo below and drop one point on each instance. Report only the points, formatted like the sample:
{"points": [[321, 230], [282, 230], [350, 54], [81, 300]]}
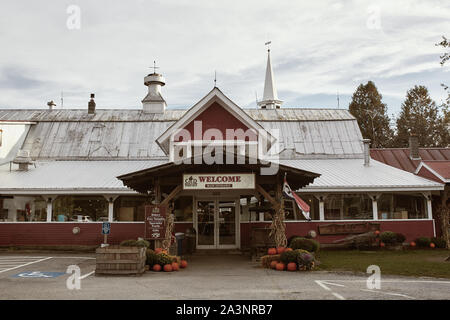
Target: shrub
{"points": [[388, 237], [423, 242], [128, 243], [305, 259], [142, 243], [439, 242], [400, 238], [266, 260], [152, 258], [163, 259], [288, 256], [305, 244]]}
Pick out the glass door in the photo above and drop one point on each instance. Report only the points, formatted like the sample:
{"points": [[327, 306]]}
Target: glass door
{"points": [[205, 223], [226, 223], [217, 224]]}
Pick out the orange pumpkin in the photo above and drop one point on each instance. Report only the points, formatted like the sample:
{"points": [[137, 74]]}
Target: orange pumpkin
{"points": [[382, 244], [168, 268], [432, 245], [412, 244], [280, 266], [288, 249], [280, 250], [273, 264], [158, 250], [272, 251], [183, 264], [156, 267], [175, 266], [377, 232], [292, 266]]}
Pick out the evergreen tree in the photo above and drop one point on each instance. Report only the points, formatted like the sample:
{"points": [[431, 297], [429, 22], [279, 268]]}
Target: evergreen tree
{"points": [[419, 115], [371, 113]]}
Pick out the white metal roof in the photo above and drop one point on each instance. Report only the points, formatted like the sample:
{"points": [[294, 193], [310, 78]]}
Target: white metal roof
{"points": [[338, 175], [341, 175], [67, 140], [133, 115], [70, 177]]}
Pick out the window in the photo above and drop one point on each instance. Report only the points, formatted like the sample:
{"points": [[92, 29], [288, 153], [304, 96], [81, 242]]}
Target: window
{"points": [[401, 206], [18, 209], [129, 208], [348, 207], [80, 209], [313, 203]]}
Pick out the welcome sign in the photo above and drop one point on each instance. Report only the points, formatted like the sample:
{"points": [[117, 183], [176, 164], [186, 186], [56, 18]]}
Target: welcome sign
{"points": [[212, 181]]}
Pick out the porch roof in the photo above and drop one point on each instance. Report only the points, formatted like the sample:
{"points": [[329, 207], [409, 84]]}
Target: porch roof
{"points": [[169, 173], [336, 175]]}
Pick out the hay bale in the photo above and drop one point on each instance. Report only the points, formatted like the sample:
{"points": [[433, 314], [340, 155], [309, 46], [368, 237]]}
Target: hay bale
{"points": [[266, 260]]}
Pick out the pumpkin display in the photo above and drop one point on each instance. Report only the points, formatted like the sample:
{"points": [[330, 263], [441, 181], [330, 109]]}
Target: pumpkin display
{"points": [[272, 251], [280, 266], [412, 244], [280, 250], [168, 268], [156, 267], [183, 264], [273, 264], [175, 266], [292, 266], [432, 245], [382, 244]]}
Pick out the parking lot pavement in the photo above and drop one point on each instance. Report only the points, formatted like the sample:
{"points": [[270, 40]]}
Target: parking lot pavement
{"points": [[207, 277]]}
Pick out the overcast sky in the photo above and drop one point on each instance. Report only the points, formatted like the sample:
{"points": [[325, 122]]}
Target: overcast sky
{"points": [[317, 50]]}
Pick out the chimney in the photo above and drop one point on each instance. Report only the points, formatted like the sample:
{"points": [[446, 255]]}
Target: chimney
{"points": [[153, 101], [366, 143], [91, 104], [50, 105], [23, 160], [414, 147]]}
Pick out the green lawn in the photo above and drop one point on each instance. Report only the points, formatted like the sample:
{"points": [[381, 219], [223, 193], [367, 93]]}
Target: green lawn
{"points": [[423, 263]]}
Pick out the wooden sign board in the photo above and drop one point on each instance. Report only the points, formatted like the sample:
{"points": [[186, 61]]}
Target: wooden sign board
{"points": [[155, 222], [348, 228]]}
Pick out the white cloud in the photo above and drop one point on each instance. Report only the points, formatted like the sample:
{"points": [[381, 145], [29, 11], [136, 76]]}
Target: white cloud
{"points": [[318, 49]]}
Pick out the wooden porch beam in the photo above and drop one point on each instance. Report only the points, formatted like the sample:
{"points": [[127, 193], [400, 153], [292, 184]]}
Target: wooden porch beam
{"points": [[268, 197], [172, 195]]}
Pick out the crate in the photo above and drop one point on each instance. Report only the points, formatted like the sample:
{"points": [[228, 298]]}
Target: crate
{"points": [[120, 260]]}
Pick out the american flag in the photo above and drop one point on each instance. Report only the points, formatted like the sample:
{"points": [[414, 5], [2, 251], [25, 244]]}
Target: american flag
{"points": [[302, 205]]}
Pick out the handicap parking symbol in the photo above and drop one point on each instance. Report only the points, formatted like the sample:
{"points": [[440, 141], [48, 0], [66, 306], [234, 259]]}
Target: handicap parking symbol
{"points": [[37, 274]]}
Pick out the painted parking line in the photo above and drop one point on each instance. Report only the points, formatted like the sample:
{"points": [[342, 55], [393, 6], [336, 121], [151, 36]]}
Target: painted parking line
{"points": [[86, 275], [24, 264], [324, 286], [389, 293]]}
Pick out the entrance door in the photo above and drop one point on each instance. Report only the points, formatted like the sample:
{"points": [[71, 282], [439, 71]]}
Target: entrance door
{"points": [[217, 223]]}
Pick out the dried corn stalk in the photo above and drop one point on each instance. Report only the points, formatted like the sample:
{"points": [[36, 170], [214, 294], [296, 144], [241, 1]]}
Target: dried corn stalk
{"points": [[278, 228], [169, 229]]}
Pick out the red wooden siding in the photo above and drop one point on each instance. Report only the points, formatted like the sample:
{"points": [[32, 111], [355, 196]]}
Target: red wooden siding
{"points": [[216, 117], [42, 234]]}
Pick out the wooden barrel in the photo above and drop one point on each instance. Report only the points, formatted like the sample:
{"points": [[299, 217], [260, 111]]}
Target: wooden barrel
{"points": [[120, 260]]}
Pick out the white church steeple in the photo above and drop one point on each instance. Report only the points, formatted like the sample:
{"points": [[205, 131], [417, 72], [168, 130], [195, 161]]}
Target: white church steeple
{"points": [[270, 97]]}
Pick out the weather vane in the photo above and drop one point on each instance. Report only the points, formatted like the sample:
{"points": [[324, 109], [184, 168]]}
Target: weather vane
{"points": [[215, 78], [154, 67], [268, 45]]}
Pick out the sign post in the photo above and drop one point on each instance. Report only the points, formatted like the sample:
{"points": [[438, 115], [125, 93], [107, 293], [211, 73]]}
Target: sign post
{"points": [[106, 229], [155, 222]]}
